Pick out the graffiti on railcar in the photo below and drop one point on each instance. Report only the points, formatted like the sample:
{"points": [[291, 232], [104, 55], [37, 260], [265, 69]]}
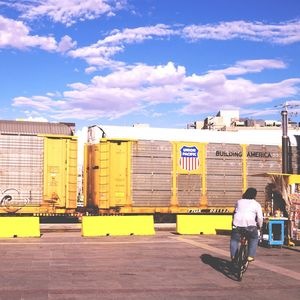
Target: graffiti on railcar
{"points": [[13, 197]]}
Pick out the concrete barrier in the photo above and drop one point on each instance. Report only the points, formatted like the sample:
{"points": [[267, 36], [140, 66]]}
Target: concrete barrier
{"points": [[202, 224], [19, 227], [117, 225]]}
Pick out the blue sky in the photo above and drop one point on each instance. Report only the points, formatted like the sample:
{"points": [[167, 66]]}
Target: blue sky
{"points": [[162, 62]]}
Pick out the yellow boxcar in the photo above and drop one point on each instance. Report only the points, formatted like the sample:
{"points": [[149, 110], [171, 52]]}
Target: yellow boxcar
{"points": [[38, 168], [144, 175]]}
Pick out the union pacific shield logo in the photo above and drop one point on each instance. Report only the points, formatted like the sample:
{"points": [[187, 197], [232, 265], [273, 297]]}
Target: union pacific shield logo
{"points": [[189, 158]]}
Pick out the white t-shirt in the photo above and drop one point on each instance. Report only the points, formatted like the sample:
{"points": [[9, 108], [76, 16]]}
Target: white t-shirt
{"points": [[247, 212]]}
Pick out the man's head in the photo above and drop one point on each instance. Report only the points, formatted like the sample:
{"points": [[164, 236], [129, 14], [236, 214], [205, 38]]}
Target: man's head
{"points": [[250, 193]]}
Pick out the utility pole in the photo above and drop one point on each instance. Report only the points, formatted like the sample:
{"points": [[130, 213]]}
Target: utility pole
{"points": [[285, 139]]}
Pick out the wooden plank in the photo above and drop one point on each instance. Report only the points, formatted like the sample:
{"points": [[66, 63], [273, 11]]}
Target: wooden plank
{"points": [[151, 165], [149, 198], [152, 148], [189, 189], [160, 182]]}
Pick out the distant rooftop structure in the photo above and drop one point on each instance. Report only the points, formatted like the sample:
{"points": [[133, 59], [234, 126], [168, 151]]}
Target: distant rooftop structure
{"points": [[143, 125], [229, 120], [229, 116], [196, 125], [272, 123]]}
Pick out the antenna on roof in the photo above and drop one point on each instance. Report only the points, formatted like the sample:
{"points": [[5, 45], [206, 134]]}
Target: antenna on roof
{"points": [[289, 105]]}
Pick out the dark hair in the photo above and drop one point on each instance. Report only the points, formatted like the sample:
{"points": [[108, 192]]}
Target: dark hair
{"points": [[250, 193]]}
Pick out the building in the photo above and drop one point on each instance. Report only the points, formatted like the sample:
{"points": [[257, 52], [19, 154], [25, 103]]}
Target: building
{"points": [[229, 120]]}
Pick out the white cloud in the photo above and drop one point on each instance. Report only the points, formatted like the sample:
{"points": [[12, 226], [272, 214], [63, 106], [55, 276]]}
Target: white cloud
{"points": [[66, 44], [111, 96], [136, 35], [15, 34], [100, 54], [90, 70], [141, 88], [239, 92], [68, 12], [55, 94], [251, 66], [96, 55], [142, 76], [40, 103], [282, 33]]}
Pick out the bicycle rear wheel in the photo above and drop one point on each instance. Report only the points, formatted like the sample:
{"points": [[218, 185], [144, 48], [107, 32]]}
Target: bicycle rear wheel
{"points": [[242, 261]]}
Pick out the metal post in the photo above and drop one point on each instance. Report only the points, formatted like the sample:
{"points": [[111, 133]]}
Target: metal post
{"points": [[285, 142]]}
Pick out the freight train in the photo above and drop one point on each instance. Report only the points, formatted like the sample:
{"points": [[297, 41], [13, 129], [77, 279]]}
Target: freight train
{"points": [[155, 170], [135, 170]]}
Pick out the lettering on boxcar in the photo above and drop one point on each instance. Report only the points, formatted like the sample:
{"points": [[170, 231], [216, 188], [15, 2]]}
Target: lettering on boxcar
{"points": [[257, 154], [194, 211], [208, 210], [229, 153]]}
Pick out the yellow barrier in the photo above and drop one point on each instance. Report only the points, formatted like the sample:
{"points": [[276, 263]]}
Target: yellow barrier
{"points": [[19, 227], [202, 224], [117, 225]]}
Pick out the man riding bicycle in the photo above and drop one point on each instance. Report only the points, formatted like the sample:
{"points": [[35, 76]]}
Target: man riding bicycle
{"points": [[247, 215]]}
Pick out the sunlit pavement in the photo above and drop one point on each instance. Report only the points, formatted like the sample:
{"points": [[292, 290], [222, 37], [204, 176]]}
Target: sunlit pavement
{"points": [[64, 265]]}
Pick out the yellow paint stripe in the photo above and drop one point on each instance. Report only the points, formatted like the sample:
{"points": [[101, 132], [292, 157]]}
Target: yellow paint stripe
{"points": [[174, 200], [203, 201], [258, 263], [244, 151]]}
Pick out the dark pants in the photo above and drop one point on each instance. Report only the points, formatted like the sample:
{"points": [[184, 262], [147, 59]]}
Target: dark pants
{"points": [[252, 236]]}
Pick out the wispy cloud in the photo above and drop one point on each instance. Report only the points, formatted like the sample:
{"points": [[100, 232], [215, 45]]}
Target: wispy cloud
{"points": [[40, 103], [96, 55], [282, 33], [136, 35], [101, 53], [90, 70], [67, 12], [251, 66]]}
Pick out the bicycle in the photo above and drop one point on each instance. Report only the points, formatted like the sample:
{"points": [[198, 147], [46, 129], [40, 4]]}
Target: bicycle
{"points": [[241, 259]]}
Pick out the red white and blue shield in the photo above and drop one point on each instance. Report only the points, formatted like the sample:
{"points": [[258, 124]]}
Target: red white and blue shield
{"points": [[189, 158]]}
